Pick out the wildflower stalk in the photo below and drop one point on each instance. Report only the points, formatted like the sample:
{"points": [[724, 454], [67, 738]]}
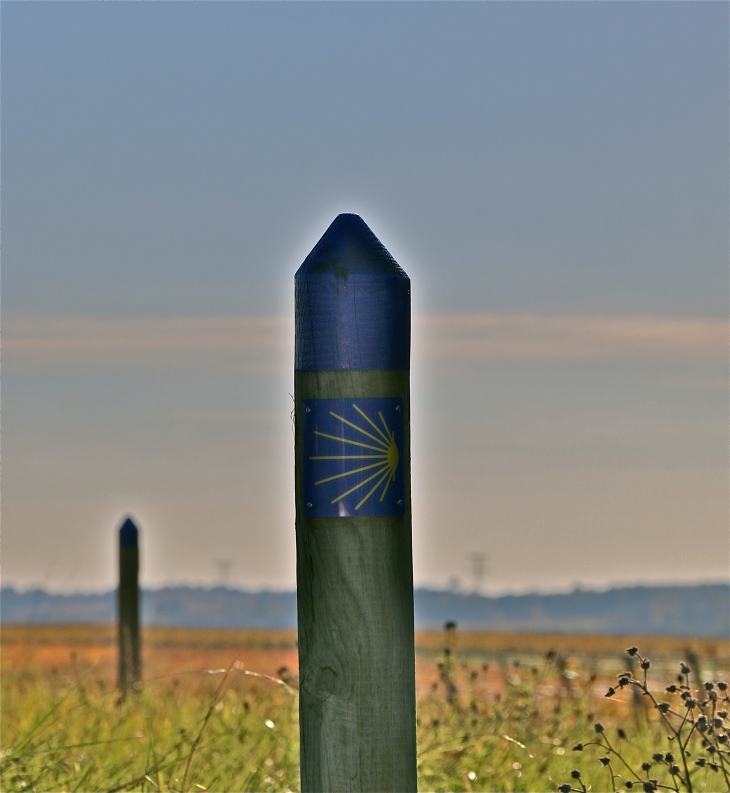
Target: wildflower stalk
{"points": [[693, 722]]}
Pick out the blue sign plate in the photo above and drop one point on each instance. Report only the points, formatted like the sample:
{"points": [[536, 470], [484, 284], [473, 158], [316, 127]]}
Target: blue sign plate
{"points": [[353, 458]]}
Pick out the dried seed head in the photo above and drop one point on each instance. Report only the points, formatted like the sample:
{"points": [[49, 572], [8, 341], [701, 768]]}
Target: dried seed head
{"points": [[578, 747], [684, 668], [604, 760], [565, 788], [669, 757], [674, 769], [701, 762], [629, 784], [722, 685], [611, 691], [658, 757], [632, 651], [621, 732], [709, 686], [648, 786], [663, 707], [645, 766], [575, 773], [598, 727], [672, 689], [646, 663]]}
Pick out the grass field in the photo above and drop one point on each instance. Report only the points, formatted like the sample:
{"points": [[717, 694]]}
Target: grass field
{"points": [[218, 710]]}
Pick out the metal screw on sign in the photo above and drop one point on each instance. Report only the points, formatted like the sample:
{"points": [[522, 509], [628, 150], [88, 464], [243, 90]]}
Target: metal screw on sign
{"points": [[353, 505], [130, 668]]}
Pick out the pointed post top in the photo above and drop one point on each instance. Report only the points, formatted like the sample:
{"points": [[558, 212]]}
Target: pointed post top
{"points": [[128, 534], [353, 303], [349, 247]]}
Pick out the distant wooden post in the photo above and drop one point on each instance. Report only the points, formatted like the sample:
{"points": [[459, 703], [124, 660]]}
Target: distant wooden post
{"points": [[130, 669], [353, 515]]}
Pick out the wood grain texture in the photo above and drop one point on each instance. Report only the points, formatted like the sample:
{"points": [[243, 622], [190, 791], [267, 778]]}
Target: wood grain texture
{"points": [[355, 611], [130, 667]]}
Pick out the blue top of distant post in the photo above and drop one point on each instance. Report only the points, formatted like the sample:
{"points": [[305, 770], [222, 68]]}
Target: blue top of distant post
{"points": [[353, 303], [128, 534]]}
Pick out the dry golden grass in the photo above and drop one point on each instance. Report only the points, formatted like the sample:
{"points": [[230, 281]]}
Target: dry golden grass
{"points": [[171, 651], [166, 652], [578, 644], [484, 641]]}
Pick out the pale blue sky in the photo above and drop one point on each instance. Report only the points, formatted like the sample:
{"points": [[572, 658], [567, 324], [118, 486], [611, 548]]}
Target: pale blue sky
{"points": [[178, 161]]}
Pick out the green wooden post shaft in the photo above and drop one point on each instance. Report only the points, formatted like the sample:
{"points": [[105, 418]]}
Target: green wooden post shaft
{"points": [[354, 573], [130, 667]]}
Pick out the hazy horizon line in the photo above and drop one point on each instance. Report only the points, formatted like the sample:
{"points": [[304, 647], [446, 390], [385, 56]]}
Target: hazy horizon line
{"points": [[465, 590]]}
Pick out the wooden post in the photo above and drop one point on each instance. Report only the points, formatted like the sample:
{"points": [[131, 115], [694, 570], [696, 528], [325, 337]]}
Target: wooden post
{"points": [[130, 670], [353, 515]]}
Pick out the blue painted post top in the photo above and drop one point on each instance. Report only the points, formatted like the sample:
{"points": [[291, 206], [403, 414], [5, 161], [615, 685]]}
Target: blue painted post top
{"points": [[353, 303], [128, 534]]}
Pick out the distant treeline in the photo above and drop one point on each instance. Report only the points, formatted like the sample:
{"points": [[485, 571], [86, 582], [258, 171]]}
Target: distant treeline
{"points": [[702, 611]]}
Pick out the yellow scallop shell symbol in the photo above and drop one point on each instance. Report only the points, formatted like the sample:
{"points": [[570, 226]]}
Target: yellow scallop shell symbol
{"points": [[386, 457]]}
